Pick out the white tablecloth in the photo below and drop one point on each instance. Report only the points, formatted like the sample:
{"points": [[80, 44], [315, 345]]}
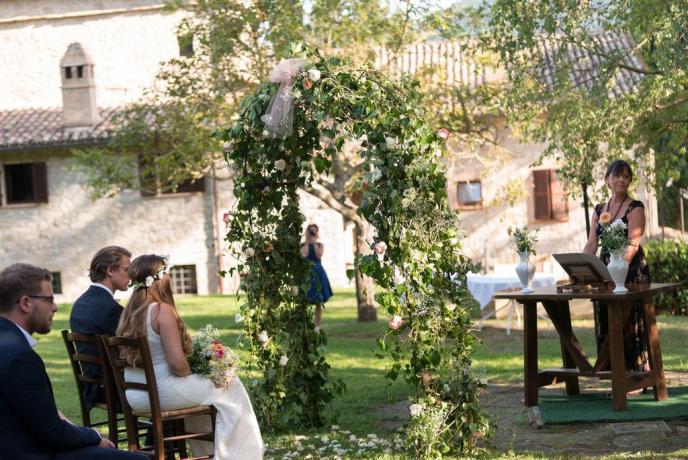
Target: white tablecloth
{"points": [[483, 287]]}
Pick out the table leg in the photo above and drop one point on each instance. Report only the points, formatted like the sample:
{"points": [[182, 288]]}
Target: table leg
{"points": [[530, 352], [657, 368], [572, 387], [616, 316]]}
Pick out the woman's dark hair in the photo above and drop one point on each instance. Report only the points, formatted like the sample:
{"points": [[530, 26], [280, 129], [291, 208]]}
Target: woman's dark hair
{"points": [[618, 167]]}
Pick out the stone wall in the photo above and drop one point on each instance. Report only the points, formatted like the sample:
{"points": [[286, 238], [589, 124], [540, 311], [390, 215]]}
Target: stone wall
{"points": [[127, 40]]}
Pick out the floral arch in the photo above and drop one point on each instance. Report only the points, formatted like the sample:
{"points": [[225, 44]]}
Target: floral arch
{"points": [[420, 275]]}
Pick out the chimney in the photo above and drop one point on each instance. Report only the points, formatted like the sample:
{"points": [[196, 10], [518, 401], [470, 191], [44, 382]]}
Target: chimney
{"points": [[79, 109]]}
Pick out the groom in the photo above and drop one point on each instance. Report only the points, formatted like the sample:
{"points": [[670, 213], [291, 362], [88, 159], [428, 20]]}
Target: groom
{"points": [[97, 311], [31, 427]]}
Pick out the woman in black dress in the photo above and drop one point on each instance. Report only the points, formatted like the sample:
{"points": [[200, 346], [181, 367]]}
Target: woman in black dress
{"points": [[632, 212]]}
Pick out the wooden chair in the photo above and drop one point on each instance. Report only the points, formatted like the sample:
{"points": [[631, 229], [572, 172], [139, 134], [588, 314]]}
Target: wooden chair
{"points": [[167, 426], [106, 379]]}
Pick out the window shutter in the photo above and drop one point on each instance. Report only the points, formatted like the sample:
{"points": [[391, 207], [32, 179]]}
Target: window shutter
{"points": [[40, 182], [560, 201], [541, 195]]}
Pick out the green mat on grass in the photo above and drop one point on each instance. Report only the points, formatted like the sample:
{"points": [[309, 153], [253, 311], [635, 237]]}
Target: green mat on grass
{"points": [[597, 407]]}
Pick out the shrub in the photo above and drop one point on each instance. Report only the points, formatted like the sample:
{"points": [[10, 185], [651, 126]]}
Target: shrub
{"points": [[668, 261]]}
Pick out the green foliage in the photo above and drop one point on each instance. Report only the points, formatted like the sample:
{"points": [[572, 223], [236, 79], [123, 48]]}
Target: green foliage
{"points": [[523, 239], [668, 261], [586, 126], [421, 277], [613, 236]]}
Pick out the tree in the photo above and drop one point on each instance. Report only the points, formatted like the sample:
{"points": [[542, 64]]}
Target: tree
{"points": [[236, 43], [596, 81]]}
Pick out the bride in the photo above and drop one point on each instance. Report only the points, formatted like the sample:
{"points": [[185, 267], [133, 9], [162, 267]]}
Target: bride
{"points": [[151, 313]]}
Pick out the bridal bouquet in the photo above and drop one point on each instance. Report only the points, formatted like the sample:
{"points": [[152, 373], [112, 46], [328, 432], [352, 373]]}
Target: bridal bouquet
{"points": [[613, 235], [211, 358], [523, 239]]}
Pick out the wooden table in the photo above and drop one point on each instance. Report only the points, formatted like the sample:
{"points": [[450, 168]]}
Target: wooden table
{"points": [[575, 361]]}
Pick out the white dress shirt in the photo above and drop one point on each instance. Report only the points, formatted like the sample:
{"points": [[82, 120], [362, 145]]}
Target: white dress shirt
{"points": [[102, 286], [29, 339]]}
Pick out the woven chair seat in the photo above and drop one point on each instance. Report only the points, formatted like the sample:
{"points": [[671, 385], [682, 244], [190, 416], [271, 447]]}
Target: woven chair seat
{"points": [[167, 414]]}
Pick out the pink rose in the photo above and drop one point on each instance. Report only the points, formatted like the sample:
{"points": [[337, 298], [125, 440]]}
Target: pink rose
{"points": [[444, 133], [226, 218], [380, 248], [395, 322]]}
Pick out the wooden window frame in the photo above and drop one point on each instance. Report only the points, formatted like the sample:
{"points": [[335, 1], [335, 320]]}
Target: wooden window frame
{"points": [[179, 281], [39, 184], [473, 206], [57, 282]]}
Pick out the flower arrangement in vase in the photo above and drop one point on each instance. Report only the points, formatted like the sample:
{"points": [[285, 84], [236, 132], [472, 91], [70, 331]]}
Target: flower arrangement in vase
{"points": [[614, 240], [525, 245]]}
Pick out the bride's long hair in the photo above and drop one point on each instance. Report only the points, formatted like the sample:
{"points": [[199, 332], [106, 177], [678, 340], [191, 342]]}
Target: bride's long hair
{"points": [[133, 320]]}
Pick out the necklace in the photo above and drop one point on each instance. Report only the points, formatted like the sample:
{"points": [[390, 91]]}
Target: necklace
{"points": [[609, 205]]}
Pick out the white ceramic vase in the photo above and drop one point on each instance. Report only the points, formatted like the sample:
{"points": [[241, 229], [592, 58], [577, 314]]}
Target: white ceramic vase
{"points": [[525, 271], [618, 269]]}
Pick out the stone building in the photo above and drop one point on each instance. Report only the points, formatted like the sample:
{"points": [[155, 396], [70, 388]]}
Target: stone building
{"points": [[66, 66]]}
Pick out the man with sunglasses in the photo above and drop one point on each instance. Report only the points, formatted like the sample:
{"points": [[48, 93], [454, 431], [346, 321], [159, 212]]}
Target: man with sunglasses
{"points": [[31, 427], [97, 311]]}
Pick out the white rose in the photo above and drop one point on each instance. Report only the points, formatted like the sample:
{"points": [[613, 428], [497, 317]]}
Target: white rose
{"points": [[375, 175], [295, 290], [283, 360], [280, 165], [391, 143], [263, 337], [149, 281], [416, 409], [326, 142], [314, 74], [249, 252], [238, 318], [446, 388], [228, 146]]}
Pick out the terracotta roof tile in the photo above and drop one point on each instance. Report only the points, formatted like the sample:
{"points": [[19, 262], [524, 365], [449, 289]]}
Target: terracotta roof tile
{"points": [[34, 128]]}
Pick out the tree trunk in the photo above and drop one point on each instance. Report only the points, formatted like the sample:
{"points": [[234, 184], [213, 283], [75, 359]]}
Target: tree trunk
{"points": [[365, 288]]}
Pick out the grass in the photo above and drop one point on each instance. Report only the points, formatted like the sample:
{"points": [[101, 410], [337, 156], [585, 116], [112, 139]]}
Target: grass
{"points": [[350, 353]]}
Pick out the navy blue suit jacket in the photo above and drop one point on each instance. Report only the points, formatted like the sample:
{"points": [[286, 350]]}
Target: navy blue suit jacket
{"points": [[95, 312], [30, 427]]}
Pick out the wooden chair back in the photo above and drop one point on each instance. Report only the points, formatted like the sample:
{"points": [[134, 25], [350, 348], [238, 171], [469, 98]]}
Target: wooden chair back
{"points": [[106, 380], [166, 426]]}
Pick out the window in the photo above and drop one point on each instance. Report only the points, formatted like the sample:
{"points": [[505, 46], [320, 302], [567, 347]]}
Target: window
{"points": [[26, 183], [550, 202], [79, 71], [185, 45], [57, 283], [469, 195], [184, 279], [68, 73]]}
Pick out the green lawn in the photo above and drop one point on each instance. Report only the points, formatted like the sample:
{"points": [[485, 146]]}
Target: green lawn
{"points": [[358, 411]]}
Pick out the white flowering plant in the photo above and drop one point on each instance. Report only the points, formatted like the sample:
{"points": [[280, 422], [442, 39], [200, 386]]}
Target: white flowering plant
{"points": [[212, 359], [523, 239], [613, 237]]}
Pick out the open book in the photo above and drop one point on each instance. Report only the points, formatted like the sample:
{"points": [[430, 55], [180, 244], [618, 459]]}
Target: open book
{"points": [[583, 268]]}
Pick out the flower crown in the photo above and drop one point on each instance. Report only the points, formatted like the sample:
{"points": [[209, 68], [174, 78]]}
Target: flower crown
{"points": [[166, 267]]}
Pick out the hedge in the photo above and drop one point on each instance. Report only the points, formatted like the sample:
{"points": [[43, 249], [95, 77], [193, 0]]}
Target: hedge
{"points": [[668, 261]]}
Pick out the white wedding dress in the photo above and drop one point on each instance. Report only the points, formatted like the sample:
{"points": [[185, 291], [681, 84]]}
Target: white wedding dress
{"points": [[237, 435]]}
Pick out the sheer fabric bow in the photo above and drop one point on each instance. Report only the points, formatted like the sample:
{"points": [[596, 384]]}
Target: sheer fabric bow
{"points": [[279, 117]]}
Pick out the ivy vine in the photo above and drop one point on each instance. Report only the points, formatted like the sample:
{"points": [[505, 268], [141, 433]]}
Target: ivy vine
{"points": [[377, 124]]}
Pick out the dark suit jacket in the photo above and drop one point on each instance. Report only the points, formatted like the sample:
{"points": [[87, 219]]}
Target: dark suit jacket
{"points": [[95, 312], [29, 425]]}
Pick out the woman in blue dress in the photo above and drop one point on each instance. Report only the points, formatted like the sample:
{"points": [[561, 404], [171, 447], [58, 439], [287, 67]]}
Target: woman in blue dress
{"points": [[320, 290]]}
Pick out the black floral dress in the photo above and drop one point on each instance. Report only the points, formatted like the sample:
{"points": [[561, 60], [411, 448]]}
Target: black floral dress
{"points": [[635, 344]]}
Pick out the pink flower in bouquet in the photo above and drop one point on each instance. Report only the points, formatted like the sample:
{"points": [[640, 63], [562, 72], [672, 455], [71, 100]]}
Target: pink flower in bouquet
{"points": [[426, 378], [226, 218], [605, 218], [395, 322]]}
